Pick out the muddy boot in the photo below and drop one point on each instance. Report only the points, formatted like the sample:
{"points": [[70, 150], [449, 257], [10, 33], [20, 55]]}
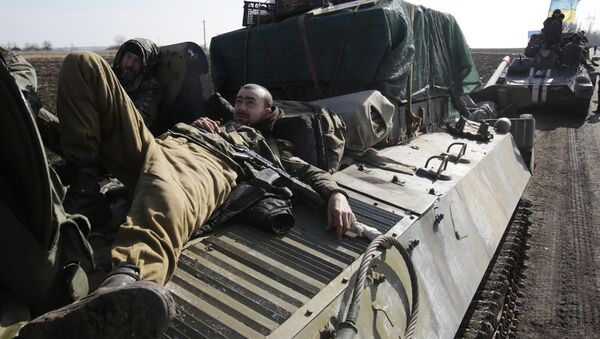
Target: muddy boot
{"points": [[122, 307], [83, 196]]}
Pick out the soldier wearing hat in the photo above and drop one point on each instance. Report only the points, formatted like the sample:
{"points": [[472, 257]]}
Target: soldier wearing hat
{"points": [[552, 31], [133, 66]]}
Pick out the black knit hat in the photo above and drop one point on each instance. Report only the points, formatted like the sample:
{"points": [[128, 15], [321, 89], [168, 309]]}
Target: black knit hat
{"points": [[133, 48]]}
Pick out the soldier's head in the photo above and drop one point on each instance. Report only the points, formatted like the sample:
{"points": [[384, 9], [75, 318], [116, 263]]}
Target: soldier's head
{"points": [[132, 63], [252, 103], [556, 13]]}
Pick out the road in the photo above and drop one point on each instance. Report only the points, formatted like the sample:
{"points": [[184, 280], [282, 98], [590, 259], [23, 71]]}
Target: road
{"points": [[562, 281]]}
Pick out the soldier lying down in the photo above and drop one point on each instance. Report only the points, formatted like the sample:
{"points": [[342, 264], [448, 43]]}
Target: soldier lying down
{"points": [[178, 179]]}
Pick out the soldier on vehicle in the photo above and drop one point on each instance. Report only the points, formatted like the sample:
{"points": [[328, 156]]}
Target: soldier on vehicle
{"points": [[133, 65], [180, 178], [552, 31]]}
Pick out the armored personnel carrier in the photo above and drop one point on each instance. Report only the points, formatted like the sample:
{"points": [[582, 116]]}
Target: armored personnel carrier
{"points": [[440, 195], [543, 79]]}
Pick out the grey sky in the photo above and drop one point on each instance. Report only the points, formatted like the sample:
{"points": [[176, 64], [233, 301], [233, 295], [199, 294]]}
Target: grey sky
{"points": [[486, 23]]}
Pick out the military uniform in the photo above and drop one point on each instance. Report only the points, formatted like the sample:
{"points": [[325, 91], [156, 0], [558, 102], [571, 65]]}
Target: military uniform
{"points": [[43, 250], [552, 32], [179, 177], [144, 90], [24, 75]]}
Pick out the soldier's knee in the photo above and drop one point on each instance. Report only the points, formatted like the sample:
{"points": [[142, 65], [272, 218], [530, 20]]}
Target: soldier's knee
{"points": [[82, 62]]}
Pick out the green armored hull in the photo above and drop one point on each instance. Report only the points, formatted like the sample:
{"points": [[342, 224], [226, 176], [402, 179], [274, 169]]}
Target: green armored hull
{"points": [[240, 282]]}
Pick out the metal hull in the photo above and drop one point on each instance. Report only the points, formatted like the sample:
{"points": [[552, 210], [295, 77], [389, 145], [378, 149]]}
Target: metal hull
{"points": [[520, 87], [242, 282]]}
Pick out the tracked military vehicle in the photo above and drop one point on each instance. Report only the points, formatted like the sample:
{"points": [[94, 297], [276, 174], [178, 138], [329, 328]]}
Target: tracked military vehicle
{"points": [[443, 192], [543, 78]]}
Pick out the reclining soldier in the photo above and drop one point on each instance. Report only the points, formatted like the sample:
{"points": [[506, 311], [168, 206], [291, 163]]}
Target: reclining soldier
{"points": [[178, 179], [133, 65]]}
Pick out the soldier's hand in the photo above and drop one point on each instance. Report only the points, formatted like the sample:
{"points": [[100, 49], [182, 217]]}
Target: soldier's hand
{"points": [[207, 124], [339, 214]]}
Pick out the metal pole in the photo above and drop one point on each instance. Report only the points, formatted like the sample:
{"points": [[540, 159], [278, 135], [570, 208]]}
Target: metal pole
{"points": [[204, 29]]}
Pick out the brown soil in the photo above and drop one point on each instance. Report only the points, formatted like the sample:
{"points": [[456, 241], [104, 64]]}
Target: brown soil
{"points": [[562, 282], [561, 292], [47, 65]]}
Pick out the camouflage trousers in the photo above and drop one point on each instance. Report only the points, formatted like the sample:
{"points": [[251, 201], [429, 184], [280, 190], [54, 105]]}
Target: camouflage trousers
{"points": [[177, 184]]}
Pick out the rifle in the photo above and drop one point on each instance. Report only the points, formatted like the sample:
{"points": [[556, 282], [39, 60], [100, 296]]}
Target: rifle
{"points": [[270, 174]]}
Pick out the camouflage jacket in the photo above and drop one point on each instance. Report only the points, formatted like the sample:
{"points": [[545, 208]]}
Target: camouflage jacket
{"points": [[145, 90], [258, 139], [25, 77]]}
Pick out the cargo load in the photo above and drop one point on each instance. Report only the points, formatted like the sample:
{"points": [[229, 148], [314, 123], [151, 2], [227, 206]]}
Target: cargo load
{"points": [[327, 52]]}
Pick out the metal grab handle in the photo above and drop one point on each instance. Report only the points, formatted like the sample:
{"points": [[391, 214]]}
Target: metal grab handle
{"points": [[463, 150], [443, 164]]}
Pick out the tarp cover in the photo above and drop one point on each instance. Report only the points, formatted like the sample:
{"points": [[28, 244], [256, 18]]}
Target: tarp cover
{"points": [[371, 48]]}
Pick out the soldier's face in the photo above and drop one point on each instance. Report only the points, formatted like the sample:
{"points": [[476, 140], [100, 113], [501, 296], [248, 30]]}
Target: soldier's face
{"points": [[249, 107], [131, 66]]}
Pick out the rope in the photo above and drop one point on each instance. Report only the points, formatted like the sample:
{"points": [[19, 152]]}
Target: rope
{"points": [[386, 242]]}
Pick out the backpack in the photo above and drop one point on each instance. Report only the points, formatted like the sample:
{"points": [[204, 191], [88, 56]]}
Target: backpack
{"points": [[318, 134]]}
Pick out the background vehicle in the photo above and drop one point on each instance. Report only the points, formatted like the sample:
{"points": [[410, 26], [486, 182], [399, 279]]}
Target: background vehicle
{"points": [[544, 79]]}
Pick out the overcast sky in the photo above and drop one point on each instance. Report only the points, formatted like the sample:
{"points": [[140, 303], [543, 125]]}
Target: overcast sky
{"points": [[485, 23]]}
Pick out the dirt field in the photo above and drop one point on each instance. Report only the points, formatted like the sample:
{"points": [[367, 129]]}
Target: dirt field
{"points": [[561, 293]]}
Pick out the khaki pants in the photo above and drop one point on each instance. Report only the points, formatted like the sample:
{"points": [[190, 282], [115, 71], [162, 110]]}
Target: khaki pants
{"points": [[177, 184]]}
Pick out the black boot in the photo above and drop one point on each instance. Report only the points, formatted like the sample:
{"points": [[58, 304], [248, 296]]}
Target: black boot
{"points": [[122, 307], [83, 196]]}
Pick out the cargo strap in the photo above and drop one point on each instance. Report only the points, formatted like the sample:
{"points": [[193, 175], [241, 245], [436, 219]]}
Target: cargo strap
{"points": [[264, 48], [414, 121], [274, 147], [309, 59]]}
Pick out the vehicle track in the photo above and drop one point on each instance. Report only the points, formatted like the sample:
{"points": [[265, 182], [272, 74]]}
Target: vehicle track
{"points": [[561, 284]]}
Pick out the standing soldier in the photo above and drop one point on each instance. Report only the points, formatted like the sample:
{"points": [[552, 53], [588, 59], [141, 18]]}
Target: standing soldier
{"points": [[552, 31]]}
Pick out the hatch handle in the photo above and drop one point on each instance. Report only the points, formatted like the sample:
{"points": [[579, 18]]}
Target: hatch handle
{"points": [[457, 158], [443, 164]]}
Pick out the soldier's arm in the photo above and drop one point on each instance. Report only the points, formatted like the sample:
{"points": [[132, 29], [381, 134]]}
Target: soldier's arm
{"points": [[147, 100], [339, 214]]}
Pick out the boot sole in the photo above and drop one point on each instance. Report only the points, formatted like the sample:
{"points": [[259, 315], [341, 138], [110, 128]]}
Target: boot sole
{"points": [[138, 310]]}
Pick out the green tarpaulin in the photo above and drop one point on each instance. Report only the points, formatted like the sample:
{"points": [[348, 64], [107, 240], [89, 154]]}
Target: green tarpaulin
{"points": [[349, 51]]}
